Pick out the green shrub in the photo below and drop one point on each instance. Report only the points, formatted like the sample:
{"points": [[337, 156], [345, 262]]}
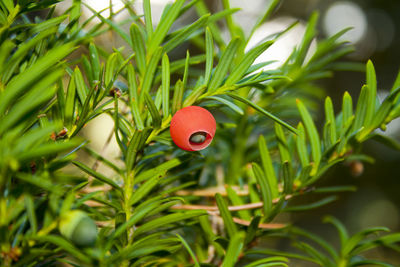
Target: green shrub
{"points": [[159, 205]]}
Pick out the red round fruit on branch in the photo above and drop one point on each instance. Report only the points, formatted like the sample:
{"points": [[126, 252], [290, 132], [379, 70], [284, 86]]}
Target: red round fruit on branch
{"points": [[192, 128]]}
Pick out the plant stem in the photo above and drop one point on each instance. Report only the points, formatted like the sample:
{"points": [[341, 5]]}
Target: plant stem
{"points": [[240, 138], [128, 188], [155, 132], [342, 262]]}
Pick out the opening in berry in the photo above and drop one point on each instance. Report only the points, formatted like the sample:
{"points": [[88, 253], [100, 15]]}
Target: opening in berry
{"points": [[198, 138]]}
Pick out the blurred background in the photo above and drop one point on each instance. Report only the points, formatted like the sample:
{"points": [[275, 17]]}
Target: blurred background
{"points": [[376, 35]]}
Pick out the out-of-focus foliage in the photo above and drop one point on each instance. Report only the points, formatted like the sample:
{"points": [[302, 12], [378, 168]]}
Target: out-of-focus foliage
{"points": [[165, 206]]}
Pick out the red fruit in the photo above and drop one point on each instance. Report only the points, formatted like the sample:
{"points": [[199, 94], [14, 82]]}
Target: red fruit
{"points": [[192, 128]]}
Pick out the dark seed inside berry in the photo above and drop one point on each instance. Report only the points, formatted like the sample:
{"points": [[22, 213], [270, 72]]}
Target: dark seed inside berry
{"points": [[198, 138]]}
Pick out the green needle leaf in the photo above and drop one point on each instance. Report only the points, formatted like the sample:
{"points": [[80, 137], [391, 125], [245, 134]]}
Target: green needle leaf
{"points": [[246, 62], [209, 55], [231, 105], [164, 25], [96, 175], [143, 190], [265, 189], [178, 95], [282, 144], [165, 85], [138, 47], [150, 71], [133, 97], [168, 219], [347, 109], [186, 33], [81, 88], [95, 61], [155, 115], [226, 215], [147, 18], [330, 118], [302, 145], [223, 65], [22, 82], [267, 166], [262, 111], [234, 249], [372, 87], [191, 253], [362, 108], [312, 133]]}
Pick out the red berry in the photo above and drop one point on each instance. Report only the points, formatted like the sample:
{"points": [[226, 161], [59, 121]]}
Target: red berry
{"points": [[192, 128]]}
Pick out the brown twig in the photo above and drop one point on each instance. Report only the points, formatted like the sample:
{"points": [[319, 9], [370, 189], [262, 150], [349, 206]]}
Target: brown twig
{"points": [[103, 188], [255, 205], [103, 150], [93, 203], [211, 191], [247, 223], [104, 223], [215, 208], [214, 211], [261, 225]]}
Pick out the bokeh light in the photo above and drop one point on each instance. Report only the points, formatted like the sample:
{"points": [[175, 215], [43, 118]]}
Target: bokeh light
{"points": [[99, 131], [100, 5], [283, 47], [157, 7], [248, 14], [344, 14], [383, 28], [379, 212]]}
